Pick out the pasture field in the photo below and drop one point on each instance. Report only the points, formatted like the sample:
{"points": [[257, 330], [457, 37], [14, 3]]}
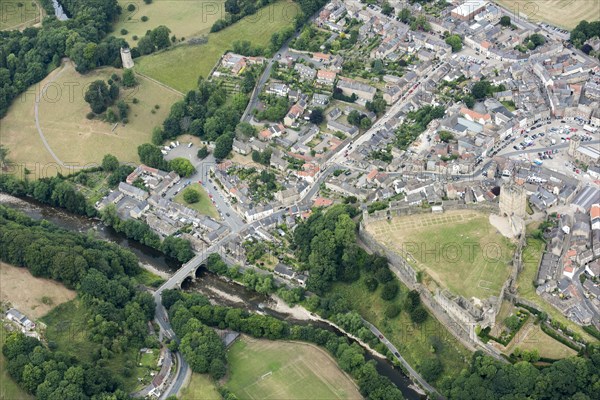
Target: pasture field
{"points": [[531, 337], [459, 249], [73, 137], [204, 206], [181, 66], [413, 341], [19, 14], [200, 387], [264, 369], [32, 296], [9, 390], [562, 13], [185, 18]]}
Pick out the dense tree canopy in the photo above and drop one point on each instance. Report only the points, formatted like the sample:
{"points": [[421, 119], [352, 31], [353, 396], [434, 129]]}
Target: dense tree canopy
{"points": [[116, 309]]}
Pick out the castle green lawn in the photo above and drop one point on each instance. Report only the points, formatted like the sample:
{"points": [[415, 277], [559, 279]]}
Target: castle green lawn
{"points": [[200, 387], [413, 341], [459, 249], [9, 390], [185, 18], [181, 66], [532, 256], [204, 206]]}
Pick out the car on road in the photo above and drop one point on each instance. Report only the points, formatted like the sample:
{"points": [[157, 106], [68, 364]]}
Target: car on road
{"points": [[397, 354], [214, 187], [380, 336], [229, 215]]}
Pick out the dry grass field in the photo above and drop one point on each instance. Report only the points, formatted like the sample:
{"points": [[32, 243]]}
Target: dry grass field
{"points": [[19, 14], [72, 137], [185, 18], [264, 369], [34, 297], [459, 249], [562, 13]]}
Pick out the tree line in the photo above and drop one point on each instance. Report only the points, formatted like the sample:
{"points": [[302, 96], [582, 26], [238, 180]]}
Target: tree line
{"points": [[26, 57], [117, 311], [191, 313]]}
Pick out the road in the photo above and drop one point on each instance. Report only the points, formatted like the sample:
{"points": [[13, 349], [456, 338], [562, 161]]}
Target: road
{"points": [[412, 373], [591, 308], [394, 109]]}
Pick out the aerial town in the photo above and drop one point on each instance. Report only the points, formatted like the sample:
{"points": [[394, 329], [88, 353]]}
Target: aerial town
{"points": [[414, 183]]}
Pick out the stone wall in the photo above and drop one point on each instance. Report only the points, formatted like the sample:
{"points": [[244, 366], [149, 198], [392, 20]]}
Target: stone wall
{"points": [[444, 307]]}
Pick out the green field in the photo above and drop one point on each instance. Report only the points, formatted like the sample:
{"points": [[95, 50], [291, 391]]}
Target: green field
{"points": [[414, 342], [459, 250], [72, 137], [185, 18], [200, 387], [9, 390], [67, 329], [19, 14], [532, 256], [181, 66], [533, 338], [204, 206], [263, 369]]}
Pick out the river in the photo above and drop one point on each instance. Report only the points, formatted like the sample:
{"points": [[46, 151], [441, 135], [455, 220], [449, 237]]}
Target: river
{"points": [[216, 289], [59, 11]]}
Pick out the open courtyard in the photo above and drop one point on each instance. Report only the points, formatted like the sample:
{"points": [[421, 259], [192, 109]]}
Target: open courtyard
{"points": [[459, 249]]}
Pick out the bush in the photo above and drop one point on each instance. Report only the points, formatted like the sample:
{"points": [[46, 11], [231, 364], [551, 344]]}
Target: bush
{"points": [[419, 315], [393, 310], [135, 100], [90, 115], [390, 291], [148, 1], [384, 275], [371, 284], [124, 31], [131, 7], [144, 18], [135, 37]]}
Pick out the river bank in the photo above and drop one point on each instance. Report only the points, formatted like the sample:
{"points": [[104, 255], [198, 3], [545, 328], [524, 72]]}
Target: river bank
{"points": [[218, 290]]}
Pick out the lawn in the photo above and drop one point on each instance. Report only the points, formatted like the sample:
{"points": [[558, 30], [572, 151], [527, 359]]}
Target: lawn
{"points": [[459, 250], [200, 387], [181, 66], [533, 338], [185, 18], [19, 14], [9, 390], [263, 369], [414, 342], [74, 138], [204, 206], [532, 256], [32, 296], [67, 329], [563, 13]]}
